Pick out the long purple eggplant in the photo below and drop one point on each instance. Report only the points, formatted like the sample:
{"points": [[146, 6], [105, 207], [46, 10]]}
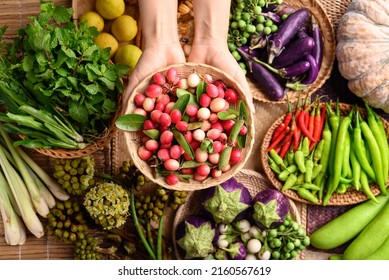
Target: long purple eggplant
{"points": [[313, 71], [292, 71], [317, 51], [266, 80], [286, 32], [295, 51]]}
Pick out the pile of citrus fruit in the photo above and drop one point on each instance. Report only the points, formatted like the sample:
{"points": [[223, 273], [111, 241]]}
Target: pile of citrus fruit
{"points": [[117, 30]]}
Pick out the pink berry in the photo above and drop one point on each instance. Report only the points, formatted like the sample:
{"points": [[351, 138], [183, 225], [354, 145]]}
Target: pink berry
{"points": [[217, 146], [172, 179], [148, 104], [200, 155], [213, 118], [183, 84], [175, 115], [231, 96], [159, 107], [187, 171], [152, 145], [235, 156], [175, 151], [171, 75], [205, 126], [217, 105], [165, 119], [199, 178], [212, 90], [198, 135], [159, 79], [169, 107], [163, 154], [166, 137], [208, 78], [217, 125], [148, 124], [216, 173], [219, 84], [221, 93], [154, 115], [213, 133], [214, 158], [171, 164], [140, 111], [203, 113], [243, 130], [188, 136], [154, 90], [144, 153], [227, 125], [164, 99], [203, 170], [182, 126], [138, 99], [205, 100], [191, 110], [194, 144]]}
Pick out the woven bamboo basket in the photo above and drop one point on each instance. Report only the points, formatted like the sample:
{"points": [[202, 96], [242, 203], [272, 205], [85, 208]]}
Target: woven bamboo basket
{"points": [[254, 181], [186, 25], [351, 196], [133, 138]]}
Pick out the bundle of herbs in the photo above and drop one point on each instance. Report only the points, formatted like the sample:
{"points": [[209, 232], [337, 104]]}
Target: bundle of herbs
{"points": [[54, 71]]}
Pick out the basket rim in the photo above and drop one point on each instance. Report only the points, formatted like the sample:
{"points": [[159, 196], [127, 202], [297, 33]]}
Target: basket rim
{"points": [[349, 198], [192, 185], [264, 183]]}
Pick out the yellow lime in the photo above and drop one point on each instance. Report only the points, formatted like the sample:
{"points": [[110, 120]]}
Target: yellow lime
{"points": [[129, 55], [124, 28], [110, 9], [106, 40], [93, 19]]}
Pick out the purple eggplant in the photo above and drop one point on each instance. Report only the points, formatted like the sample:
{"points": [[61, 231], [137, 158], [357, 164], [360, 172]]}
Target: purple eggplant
{"points": [[265, 79], [270, 208], [286, 31], [284, 9], [274, 17], [295, 51], [291, 71], [313, 71], [317, 51], [302, 32], [236, 250]]}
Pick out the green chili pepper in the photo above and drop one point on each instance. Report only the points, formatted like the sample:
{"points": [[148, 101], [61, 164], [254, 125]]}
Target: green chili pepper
{"points": [[344, 180], [324, 160], [359, 149], [334, 122], [308, 169], [277, 159], [341, 189], [340, 150], [286, 172], [299, 159], [356, 167], [290, 157], [366, 187], [307, 195], [317, 154], [375, 154], [310, 186], [346, 168], [273, 166], [316, 170], [305, 146], [292, 178], [300, 179], [385, 144]]}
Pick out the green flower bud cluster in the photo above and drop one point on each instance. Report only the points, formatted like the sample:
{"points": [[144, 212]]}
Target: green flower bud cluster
{"points": [[108, 204], [84, 249], [66, 221], [75, 175]]}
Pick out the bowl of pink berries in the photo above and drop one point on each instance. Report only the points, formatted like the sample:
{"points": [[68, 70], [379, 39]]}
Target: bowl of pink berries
{"points": [[188, 126]]}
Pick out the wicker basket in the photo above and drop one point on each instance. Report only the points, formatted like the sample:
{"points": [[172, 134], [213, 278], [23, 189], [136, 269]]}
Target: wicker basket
{"points": [[254, 181], [133, 138], [185, 24], [350, 197]]}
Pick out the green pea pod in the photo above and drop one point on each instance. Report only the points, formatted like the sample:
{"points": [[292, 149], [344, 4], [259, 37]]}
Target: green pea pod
{"points": [[307, 195], [375, 154], [290, 181], [235, 130], [224, 158], [340, 150], [299, 159]]}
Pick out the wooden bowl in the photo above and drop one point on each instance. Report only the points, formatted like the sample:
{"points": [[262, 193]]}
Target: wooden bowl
{"points": [[133, 139], [351, 196]]}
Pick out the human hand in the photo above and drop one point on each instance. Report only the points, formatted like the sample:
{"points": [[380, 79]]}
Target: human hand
{"points": [[219, 56], [152, 59]]}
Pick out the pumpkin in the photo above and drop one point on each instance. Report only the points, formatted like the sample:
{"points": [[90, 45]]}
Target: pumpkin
{"points": [[363, 50]]}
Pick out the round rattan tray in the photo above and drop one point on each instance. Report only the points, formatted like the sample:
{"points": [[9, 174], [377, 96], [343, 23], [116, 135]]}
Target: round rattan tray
{"points": [[133, 139], [254, 181], [350, 197], [186, 25]]}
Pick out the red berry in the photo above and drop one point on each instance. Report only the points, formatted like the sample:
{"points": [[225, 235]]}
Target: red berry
{"points": [[171, 164], [205, 100], [203, 170], [138, 99], [154, 90], [175, 115], [144, 153], [166, 137], [148, 124], [191, 110], [171, 75], [163, 154], [165, 119], [159, 79], [235, 156], [212, 90], [230, 95], [172, 179], [151, 145], [175, 151], [182, 126], [154, 116]]}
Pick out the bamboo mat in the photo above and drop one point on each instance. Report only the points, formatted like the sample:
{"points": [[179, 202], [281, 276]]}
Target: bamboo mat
{"points": [[15, 15]]}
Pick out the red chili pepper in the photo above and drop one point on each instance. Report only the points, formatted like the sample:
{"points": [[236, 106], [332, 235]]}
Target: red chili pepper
{"points": [[311, 122], [285, 148], [302, 126], [296, 138], [278, 139], [285, 123], [277, 131]]}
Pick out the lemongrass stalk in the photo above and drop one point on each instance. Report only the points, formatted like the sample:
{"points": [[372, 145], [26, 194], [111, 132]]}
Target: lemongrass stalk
{"points": [[43, 190], [14, 231], [38, 201], [55, 188], [21, 196]]}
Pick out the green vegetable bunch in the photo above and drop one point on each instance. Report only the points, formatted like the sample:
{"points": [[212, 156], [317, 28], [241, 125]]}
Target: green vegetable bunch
{"points": [[108, 204], [60, 65], [76, 175]]}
